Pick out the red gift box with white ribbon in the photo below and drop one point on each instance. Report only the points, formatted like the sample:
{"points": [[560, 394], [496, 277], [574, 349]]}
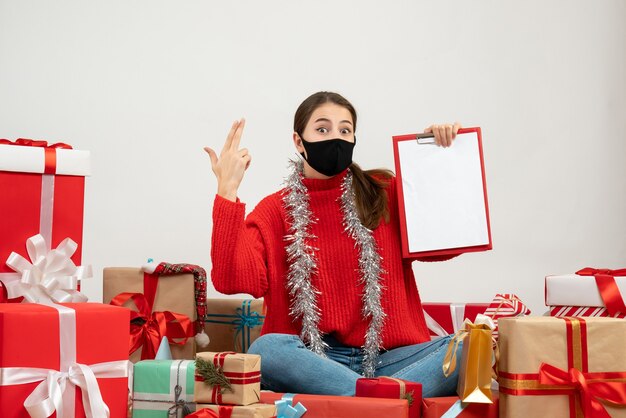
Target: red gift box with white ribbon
{"points": [[53, 361], [447, 318], [42, 193]]}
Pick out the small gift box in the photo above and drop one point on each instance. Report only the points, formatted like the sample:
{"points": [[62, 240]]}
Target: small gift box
{"points": [[326, 406], [389, 387], [165, 386], [256, 410], [562, 367], [505, 305], [43, 189], [78, 365], [447, 318], [165, 298], [451, 407], [227, 378], [233, 324], [589, 287]]}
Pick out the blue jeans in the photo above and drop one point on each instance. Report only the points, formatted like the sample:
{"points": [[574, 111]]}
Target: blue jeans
{"points": [[288, 366]]}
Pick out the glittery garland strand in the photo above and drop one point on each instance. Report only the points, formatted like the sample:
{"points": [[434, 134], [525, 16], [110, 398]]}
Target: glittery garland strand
{"points": [[301, 259], [303, 264], [371, 272]]}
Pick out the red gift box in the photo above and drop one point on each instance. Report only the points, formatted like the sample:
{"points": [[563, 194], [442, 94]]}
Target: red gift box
{"points": [[88, 341], [437, 407], [388, 387], [42, 186], [447, 318], [325, 406]]}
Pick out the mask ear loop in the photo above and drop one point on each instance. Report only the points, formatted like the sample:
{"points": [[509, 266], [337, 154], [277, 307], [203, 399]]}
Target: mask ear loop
{"points": [[301, 154]]}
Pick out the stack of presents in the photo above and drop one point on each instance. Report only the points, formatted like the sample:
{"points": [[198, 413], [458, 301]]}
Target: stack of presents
{"points": [[157, 347]]}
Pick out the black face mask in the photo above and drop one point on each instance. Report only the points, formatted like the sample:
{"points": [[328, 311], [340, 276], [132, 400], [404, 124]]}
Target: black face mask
{"points": [[329, 157]]}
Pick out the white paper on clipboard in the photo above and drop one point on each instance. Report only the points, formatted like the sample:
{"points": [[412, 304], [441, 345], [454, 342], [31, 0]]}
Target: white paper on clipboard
{"points": [[444, 196]]}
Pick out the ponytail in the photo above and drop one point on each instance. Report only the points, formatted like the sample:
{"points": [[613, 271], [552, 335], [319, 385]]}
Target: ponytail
{"points": [[370, 194]]}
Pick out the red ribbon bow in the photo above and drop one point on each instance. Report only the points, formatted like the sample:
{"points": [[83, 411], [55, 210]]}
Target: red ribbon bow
{"points": [[50, 162], [24, 142], [156, 325], [590, 390], [609, 292]]}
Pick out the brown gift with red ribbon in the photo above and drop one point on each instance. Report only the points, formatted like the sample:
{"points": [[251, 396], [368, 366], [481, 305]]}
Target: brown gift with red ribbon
{"points": [[227, 378], [164, 307], [562, 367]]}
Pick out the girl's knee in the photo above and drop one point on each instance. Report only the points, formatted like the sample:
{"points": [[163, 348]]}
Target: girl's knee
{"points": [[272, 343]]}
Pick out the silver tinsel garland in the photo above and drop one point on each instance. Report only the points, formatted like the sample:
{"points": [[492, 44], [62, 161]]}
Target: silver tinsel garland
{"points": [[303, 264], [301, 259], [371, 272]]}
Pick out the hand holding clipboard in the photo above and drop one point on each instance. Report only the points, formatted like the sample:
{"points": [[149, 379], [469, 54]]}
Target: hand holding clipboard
{"points": [[442, 135], [442, 195]]}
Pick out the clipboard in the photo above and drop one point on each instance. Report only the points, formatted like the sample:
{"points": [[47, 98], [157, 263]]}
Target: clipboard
{"points": [[442, 195]]}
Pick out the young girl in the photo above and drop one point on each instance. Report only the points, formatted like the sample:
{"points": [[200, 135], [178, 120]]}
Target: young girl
{"points": [[325, 254]]}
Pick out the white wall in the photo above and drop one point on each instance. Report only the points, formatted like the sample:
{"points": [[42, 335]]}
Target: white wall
{"points": [[146, 84]]}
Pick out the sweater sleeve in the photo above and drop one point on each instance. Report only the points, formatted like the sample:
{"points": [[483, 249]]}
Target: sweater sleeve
{"points": [[238, 252]]}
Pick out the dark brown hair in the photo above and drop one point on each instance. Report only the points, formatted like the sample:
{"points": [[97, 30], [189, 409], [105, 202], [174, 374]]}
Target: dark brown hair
{"points": [[368, 185]]}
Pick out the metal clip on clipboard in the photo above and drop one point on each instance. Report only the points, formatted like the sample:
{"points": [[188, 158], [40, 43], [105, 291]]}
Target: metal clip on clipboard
{"points": [[425, 139]]}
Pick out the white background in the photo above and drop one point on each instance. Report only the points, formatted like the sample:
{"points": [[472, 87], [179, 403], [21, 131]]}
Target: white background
{"points": [[145, 84]]}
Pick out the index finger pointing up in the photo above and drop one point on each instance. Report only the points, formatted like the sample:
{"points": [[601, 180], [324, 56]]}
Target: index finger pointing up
{"points": [[237, 136]]}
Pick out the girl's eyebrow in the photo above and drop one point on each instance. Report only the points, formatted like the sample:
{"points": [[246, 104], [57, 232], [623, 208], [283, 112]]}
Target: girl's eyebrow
{"points": [[328, 120]]}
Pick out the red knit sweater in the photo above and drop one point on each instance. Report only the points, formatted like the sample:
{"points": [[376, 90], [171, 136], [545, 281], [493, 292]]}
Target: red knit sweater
{"points": [[249, 256]]}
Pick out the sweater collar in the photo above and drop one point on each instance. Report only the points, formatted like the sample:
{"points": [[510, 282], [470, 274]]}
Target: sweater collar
{"points": [[325, 184]]}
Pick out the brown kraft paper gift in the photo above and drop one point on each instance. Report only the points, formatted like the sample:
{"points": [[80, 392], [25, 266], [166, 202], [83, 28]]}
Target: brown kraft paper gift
{"points": [[174, 293], [235, 378], [562, 367], [233, 324]]}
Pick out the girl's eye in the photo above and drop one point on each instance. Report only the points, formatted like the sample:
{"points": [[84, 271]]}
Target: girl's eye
{"points": [[322, 130], [345, 131]]}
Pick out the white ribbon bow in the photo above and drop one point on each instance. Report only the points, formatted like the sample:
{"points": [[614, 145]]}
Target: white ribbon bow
{"points": [[48, 395], [457, 313], [49, 277]]}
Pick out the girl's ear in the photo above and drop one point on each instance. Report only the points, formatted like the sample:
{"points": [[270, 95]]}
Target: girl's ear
{"points": [[297, 142]]}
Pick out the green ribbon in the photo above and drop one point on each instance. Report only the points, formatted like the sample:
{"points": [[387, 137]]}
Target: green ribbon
{"points": [[244, 320]]}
